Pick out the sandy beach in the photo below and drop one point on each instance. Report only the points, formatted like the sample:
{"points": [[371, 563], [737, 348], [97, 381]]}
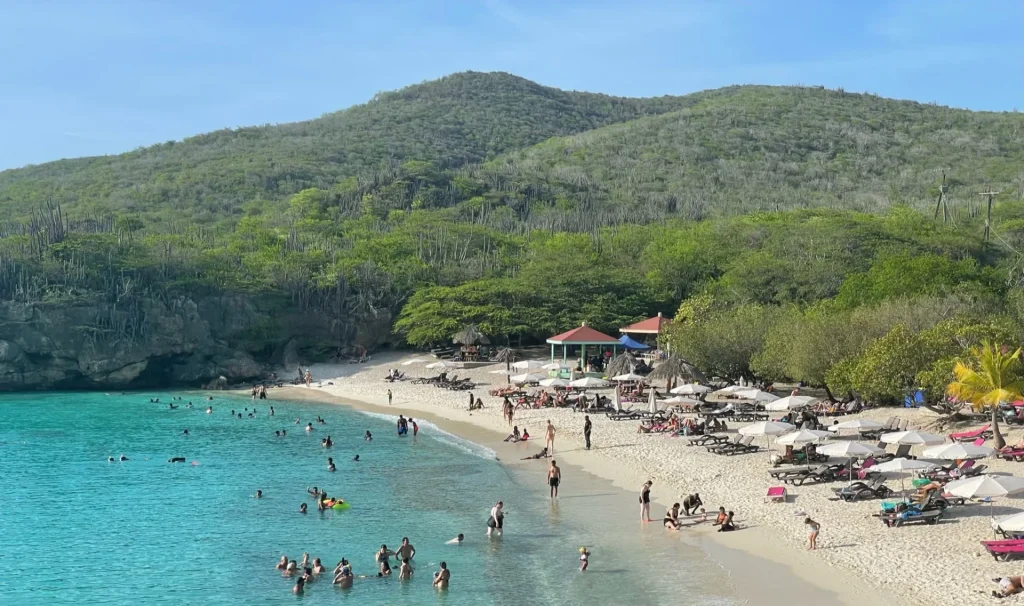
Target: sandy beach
{"points": [[859, 559]]}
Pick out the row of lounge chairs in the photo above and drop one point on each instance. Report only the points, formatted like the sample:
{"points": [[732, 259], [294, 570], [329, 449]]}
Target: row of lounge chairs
{"points": [[891, 425], [738, 445], [444, 381]]}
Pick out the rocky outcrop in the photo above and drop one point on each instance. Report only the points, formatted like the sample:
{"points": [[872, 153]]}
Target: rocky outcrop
{"points": [[149, 343]]}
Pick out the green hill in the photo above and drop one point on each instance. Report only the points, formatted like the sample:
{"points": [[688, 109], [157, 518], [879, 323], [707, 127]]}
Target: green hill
{"points": [[466, 117]]}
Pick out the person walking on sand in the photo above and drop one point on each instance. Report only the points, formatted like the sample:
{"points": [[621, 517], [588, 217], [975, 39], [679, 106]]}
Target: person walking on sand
{"points": [[587, 426], [814, 528], [309, 377], [389, 397], [549, 438], [645, 501], [554, 478]]}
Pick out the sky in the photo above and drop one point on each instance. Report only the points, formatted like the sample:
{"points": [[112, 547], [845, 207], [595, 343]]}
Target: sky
{"points": [[107, 76]]}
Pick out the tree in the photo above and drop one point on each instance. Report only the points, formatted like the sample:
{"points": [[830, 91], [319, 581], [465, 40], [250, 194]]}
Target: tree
{"points": [[989, 378]]}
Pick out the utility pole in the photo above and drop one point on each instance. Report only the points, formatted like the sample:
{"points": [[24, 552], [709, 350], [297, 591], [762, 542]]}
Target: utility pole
{"points": [[940, 203], [988, 214]]}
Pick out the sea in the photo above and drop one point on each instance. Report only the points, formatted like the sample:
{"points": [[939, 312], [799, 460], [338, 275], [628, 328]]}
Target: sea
{"points": [[77, 528]]}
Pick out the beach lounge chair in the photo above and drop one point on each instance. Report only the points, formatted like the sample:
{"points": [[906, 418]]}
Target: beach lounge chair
{"points": [[903, 450], [894, 519], [715, 447], [817, 475], [861, 491], [890, 425], [624, 415], [707, 440], [795, 475], [775, 494], [1004, 550], [744, 446], [1011, 454], [903, 425], [966, 436]]}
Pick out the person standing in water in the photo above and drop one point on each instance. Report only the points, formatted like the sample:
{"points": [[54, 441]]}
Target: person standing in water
{"points": [[415, 427], [554, 478], [389, 397], [645, 501], [496, 520], [549, 438], [587, 426], [406, 551]]}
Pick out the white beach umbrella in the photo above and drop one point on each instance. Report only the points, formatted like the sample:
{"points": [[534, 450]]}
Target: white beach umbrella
{"points": [[731, 389], [958, 450], [901, 466], [912, 437], [690, 389], [767, 428], [1010, 523], [501, 372], [617, 401], [413, 361], [527, 378], [588, 382], [986, 487], [860, 425], [802, 436], [680, 400], [440, 364], [850, 450], [555, 382], [630, 376], [529, 365], [558, 365], [789, 403], [756, 395]]}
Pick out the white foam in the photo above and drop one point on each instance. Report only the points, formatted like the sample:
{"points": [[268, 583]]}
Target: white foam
{"points": [[443, 436]]}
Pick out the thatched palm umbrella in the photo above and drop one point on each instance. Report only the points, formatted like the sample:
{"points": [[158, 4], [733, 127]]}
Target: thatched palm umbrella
{"points": [[673, 368], [470, 335], [622, 364]]}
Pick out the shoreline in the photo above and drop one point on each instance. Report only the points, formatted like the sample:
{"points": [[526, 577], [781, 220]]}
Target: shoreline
{"points": [[772, 571]]}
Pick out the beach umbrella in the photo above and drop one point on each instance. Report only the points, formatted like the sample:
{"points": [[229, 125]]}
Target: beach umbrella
{"points": [[440, 364], [529, 365], [652, 402], [558, 365], [690, 389], [756, 395], [586, 382], [861, 425], [503, 371], [986, 487], [958, 450], [789, 403], [901, 466], [767, 428], [850, 450], [470, 335], [674, 367], [413, 361], [802, 436], [680, 400], [617, 401], [731, 389], [621, 364], [527, 378], [912, 437], [1010, 523], [628, 377], [555, 382]]}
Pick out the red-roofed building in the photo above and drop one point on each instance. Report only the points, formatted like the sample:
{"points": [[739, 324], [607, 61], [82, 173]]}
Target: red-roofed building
{"points": [[650, 326], [582, 336]]}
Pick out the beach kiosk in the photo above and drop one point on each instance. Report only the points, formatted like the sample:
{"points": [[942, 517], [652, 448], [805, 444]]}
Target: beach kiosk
{"points": [[650, 326], [581, 337]]}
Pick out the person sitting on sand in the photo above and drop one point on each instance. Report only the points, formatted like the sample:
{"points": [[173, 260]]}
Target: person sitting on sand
{"points": [[514, 436], [540, 455], [721, 517], [671, 519], [1008, 586], [457, 540], [727, 525], [525, 436]]}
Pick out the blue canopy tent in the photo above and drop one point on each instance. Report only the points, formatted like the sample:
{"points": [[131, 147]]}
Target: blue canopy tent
{"points": [[629, 343]]}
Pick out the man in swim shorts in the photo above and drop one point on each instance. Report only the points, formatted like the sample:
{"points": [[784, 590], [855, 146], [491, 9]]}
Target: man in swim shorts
{"points": [[554, 478], [406, 551]]}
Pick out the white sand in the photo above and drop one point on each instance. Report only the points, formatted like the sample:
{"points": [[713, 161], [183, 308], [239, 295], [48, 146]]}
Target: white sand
{"points": [[859, 558]]}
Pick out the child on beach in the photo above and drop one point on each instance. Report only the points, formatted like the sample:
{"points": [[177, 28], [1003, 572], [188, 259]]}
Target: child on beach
{"points": [[812, 538], [584, 559]]}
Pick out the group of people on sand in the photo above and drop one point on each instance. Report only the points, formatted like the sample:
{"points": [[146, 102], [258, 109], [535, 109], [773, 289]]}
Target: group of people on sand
{"points": [[692, 506], [259, 391]]}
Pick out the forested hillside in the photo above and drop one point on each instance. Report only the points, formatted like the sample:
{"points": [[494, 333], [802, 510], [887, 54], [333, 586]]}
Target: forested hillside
{"points": [[487, 199]]}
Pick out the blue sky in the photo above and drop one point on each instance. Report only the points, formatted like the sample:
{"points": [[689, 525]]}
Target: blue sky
{"points": [[105, 76]]}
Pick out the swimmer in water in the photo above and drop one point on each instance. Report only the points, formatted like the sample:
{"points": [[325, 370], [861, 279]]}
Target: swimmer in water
{"points": [[368, 436], [385, 569], [271, 411], [303, 508], [309, 427], [406, 551], [209, 410], [259, 494], [300, 584], [189, 405], [384, 553], [284, 432], [110, 459], [457, 540], [343, 574], [184, 433], [318, 568], [239, 415], [405, 572], [124, 458], [330, 464], [291, 568], [277, 433], [313, 491], [441, 577], [355, 458], [415, 427], [305, 560], [283, 563]]}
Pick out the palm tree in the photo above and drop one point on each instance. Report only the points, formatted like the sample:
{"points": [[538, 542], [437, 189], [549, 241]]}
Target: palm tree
{"points": [[991, 378]]}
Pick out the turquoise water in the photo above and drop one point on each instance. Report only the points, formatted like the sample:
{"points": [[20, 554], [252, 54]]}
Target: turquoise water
{"points": [[77, 528]]}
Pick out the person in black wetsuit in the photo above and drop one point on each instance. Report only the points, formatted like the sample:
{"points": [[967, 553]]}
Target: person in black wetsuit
{"points": [[645, 501], [587, 425]]}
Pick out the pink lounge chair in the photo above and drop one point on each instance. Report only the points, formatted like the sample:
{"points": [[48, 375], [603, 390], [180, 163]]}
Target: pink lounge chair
{"points": [[1004, 550], [777, 494], [964, 436]]}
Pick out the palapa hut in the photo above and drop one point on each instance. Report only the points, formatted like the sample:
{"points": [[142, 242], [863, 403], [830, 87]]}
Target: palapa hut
{"points": [[673, 368], [622, 364], [469, 338]]}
